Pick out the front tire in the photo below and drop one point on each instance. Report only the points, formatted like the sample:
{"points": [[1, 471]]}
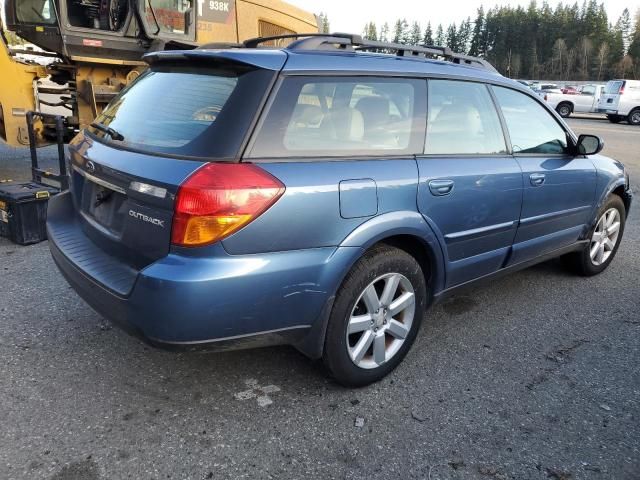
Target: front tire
{"points": [[564, 110], [376, 316], [634, 117], [604, 237]]}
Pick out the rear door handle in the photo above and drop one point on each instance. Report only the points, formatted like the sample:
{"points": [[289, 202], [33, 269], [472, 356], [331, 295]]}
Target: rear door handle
{"points": [[536, 179], [440, 187]]}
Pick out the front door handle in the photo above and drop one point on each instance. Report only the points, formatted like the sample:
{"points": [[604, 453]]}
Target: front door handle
{"points": [[536, 179], [440, 187]]}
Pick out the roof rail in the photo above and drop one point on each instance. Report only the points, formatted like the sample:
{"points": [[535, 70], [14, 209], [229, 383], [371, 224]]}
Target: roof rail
{"points": [[350, 42]]}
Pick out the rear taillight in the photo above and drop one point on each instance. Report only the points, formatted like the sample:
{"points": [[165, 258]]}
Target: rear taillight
{"points": [[621, 91], [219, 199]]}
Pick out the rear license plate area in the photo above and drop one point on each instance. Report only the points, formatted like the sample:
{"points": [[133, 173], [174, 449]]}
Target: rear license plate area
{"points": [[104, 206]]}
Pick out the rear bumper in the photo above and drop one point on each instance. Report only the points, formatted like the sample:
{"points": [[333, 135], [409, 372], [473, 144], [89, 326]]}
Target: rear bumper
{"points": [[217, 301]]}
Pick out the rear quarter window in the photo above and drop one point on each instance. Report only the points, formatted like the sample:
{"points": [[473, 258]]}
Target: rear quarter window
{"points": [[186, 111], [346, 116]]}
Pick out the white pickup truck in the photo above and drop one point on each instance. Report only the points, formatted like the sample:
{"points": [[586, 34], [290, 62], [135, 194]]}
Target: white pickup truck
{"points": [[584, 101]]}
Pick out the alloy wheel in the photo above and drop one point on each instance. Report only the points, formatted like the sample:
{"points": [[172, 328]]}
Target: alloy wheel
{"points": [[380, 320], [605, 236]]}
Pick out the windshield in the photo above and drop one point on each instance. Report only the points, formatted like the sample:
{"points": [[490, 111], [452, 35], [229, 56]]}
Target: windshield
{"points": [[35, 11], [184, 111], [614, 87]]}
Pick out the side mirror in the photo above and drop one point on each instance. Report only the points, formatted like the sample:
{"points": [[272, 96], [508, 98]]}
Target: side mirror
{"points": [[589, 145]]}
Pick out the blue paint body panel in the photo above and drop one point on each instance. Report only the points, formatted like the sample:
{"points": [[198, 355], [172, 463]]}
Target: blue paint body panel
{"points": [[358, 198], [281, 272]]}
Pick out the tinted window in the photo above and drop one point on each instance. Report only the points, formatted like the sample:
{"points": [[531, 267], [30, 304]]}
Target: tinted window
{"points": [[462, 120], [193, 112], [532, 128], [35, 11], [343, 116]]}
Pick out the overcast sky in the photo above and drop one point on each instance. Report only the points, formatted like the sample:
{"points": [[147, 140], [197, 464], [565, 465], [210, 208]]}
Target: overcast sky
{"points": [[351, 15]]}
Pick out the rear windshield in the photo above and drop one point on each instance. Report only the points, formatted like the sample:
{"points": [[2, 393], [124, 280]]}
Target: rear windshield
{"points": [[614, 87], [185, 111]]}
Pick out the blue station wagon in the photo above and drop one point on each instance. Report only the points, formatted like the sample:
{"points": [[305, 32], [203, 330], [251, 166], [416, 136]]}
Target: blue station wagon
{"points": [[322, 195]]}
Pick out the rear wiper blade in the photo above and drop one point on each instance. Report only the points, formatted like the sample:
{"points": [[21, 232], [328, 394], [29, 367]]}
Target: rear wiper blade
{"points": [[108, 130]]}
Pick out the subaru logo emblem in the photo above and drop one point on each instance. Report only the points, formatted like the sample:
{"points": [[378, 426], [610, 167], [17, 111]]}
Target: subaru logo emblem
{"points": [[90, 166]]}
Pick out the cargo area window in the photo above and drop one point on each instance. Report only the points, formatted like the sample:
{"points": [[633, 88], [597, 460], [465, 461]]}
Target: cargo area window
{"points": [[316, 117], [462, 119], [184, 111], [35, 11]]}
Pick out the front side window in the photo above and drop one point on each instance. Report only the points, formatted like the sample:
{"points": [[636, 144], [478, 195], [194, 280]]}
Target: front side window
{"points": [[343, 116], [185, 111], [532, 128], [462, 119], [35, 11]]}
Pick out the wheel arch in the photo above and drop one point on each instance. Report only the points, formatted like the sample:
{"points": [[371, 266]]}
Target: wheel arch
{"points": [[405, 230], [566, 102]]}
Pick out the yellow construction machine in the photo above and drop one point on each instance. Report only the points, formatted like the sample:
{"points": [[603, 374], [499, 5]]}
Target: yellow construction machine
{"points": [[96, 49]]}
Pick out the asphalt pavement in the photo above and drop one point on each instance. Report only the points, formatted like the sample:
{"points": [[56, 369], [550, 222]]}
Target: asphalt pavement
{"points": [[534, 376]]}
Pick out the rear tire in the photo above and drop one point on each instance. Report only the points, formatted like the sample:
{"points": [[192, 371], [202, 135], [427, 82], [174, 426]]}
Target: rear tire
{"points": [[634, 117], [376, 316], [564, 110], [614, 118], [605, 237]]}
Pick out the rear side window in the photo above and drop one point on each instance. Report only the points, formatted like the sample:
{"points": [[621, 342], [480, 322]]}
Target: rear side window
{"points": [[613, 87], [185, 111], [532, 128], [319, 117], [462, 120]]}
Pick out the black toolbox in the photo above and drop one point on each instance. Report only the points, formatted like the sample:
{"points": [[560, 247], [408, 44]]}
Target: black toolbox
{"points": [[23, 211], [23, 205]]}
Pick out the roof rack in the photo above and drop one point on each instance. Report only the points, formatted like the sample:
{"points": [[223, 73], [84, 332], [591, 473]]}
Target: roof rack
{"points": [[350, 42]]}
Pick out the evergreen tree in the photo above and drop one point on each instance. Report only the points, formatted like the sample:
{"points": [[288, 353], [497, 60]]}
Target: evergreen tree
{"points": [[625, 28], [634, 47], [428, 35], [452, 37], [384, 32], [570, 41], [370, 31], [323, 23], [400, 31], [415, 36], [440, 40], [475, 48], [464, 36]]}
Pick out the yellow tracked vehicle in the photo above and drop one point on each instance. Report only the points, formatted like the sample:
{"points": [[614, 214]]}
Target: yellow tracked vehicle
{"points": [[97, 47]]}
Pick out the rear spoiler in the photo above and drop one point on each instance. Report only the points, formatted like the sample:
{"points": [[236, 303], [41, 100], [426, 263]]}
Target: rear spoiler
{"points": [[262, 59]]}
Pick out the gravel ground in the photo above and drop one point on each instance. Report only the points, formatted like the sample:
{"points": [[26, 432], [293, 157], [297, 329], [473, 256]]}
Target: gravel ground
{"points": [[534, 376]]}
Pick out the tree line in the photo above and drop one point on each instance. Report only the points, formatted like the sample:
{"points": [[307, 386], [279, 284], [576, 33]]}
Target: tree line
{"points": [[568, 42]]}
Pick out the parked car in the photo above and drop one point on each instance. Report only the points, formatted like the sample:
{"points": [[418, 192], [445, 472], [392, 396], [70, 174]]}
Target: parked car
{"points": [[322, 197], [585, 100], [621, 101]]}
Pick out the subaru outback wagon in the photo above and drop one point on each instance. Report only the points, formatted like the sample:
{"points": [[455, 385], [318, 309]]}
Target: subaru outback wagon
{"points": [[322, 195]]}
